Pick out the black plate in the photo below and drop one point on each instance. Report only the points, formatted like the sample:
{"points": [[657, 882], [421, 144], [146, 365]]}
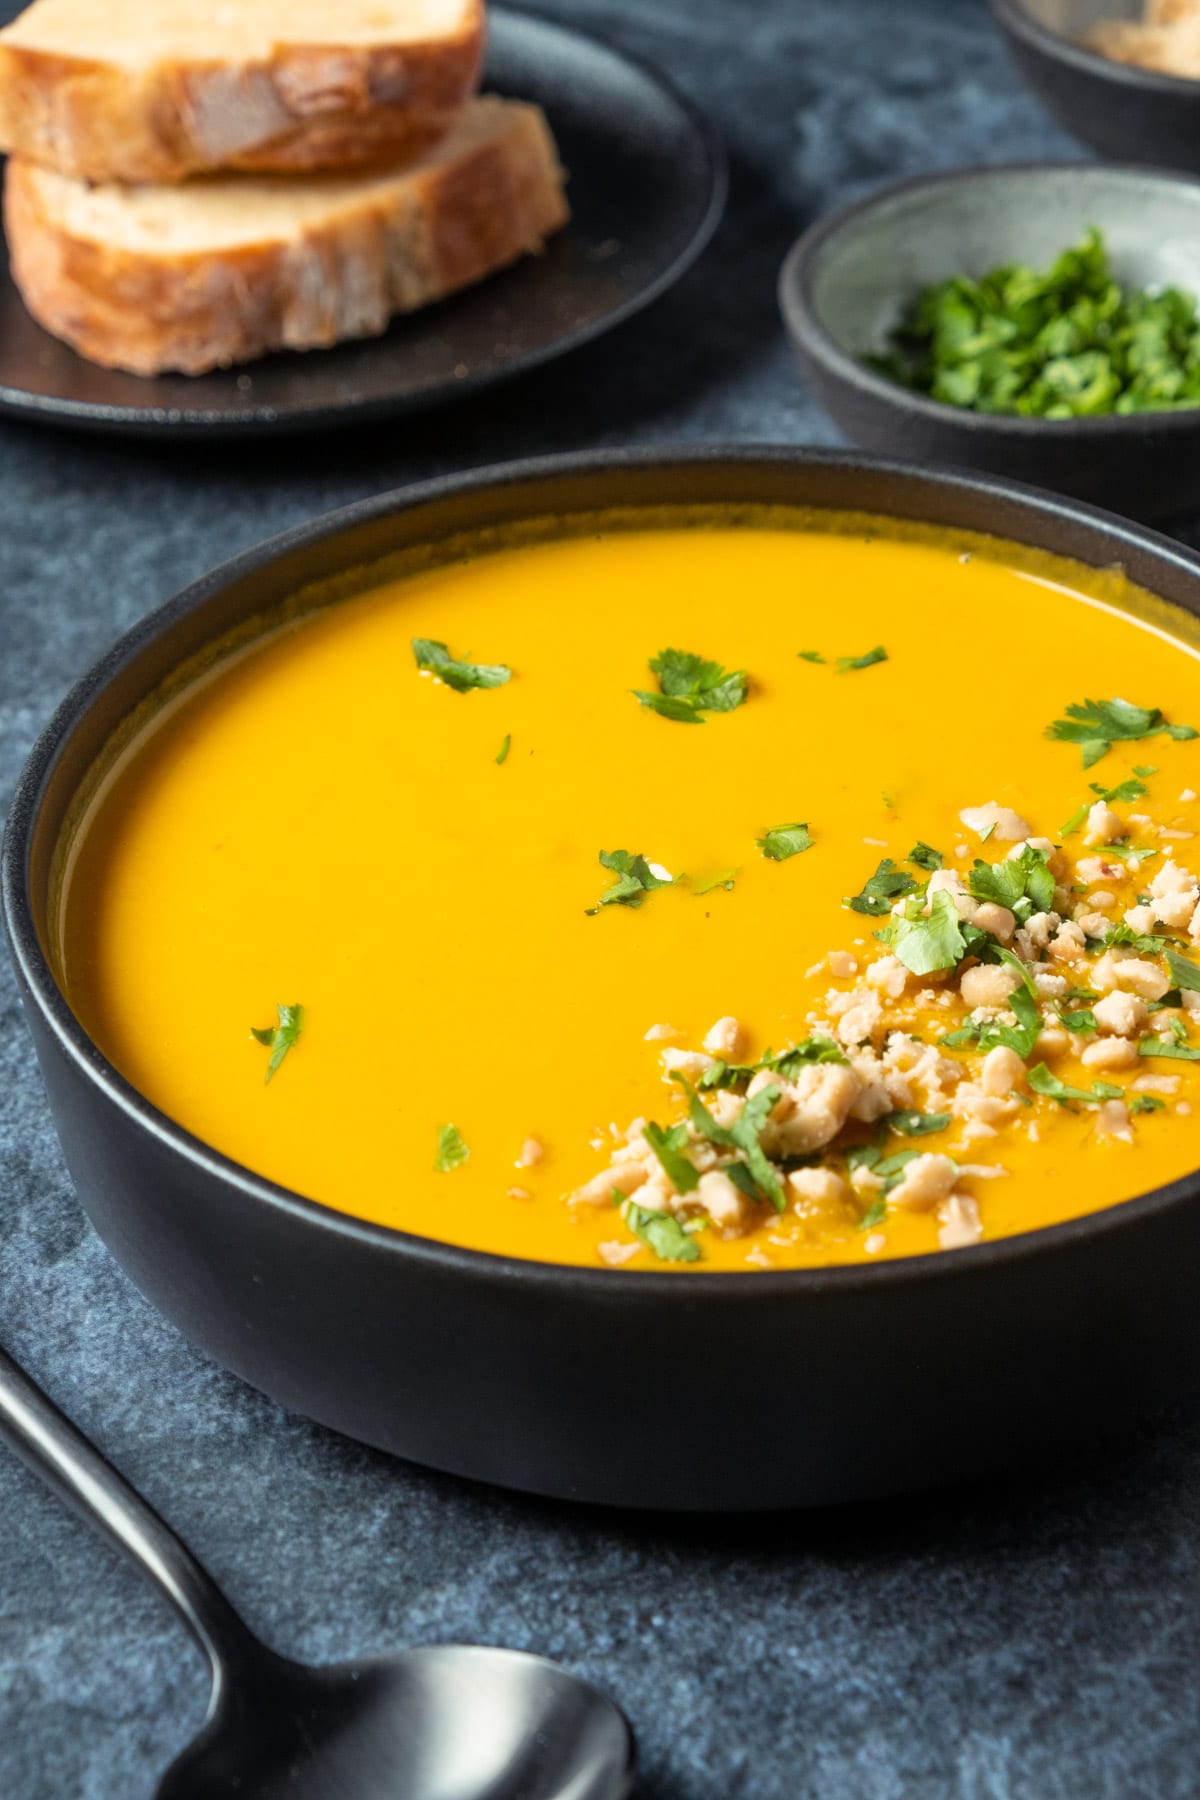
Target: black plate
{"points": [[647, 185]]}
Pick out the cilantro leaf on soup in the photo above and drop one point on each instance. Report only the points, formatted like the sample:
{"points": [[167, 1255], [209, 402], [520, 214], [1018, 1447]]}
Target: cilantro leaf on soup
{"points": [[689, 686], [1096, 725], [784, 841], [280, 1037], [452, 1150], [635, 879], [433, 658]]}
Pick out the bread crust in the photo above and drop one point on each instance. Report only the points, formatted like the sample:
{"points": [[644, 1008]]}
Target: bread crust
{"points": [[391, 249], [304, 106]]}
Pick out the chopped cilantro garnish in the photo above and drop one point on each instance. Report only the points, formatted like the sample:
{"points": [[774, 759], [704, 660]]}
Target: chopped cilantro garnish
{"points": [[1096, 725], [891, 1168], [280, 1037], [452, 1150], [757, 1176], [702, 1120], [845, 664], [787, 1063], [1083, 1020], [1060, 342], [1170, 1047], [721, 1074], [926, 944], [875, 1214], [863, 1156], [1017, 966], [746, 1132], [1039, 882], [724, 878], [1126, 851], [741, 1177], [1043, 1081], [505, 747], [888, 883], [669, 1147], [690, 686], [1184, 972], [1003, 882], [1022, 1036], [660, 1232], [1144, 1103], [436, 659], [635, 879], [782, 841], [763, 1181], [916, 1124], [924, 857], [964, 1034], [1150, 944], [1132, 789], [1025, 876]]}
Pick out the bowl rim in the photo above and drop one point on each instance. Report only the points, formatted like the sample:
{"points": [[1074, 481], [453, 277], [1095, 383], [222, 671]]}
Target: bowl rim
{"points": [[680, 1286], [1016, 19], [811, 338]]}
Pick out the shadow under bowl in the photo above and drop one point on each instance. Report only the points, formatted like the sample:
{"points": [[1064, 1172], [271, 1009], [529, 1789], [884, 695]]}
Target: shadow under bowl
{"points": [[1126, 112], [676, 1389], [848, 278]]}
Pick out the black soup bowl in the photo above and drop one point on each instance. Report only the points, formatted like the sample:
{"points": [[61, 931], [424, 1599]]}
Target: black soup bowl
{"points": [[1122, 110], [672, 1389]]}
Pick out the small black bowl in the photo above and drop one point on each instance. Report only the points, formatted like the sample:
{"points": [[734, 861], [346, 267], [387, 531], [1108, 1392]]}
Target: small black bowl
{"points": [[680, 1390], [1128, 113], [848, 278]]}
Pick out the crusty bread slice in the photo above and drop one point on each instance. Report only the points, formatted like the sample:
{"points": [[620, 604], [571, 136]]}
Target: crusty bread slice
{"points": [[156, 90], [222, 269]]}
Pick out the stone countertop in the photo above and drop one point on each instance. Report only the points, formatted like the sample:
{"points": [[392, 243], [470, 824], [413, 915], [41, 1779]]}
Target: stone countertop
{"points": [[1037, 1636]]}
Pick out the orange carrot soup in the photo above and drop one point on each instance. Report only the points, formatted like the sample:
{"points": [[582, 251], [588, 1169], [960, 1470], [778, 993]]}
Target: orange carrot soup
{"points": [[684, 891]]}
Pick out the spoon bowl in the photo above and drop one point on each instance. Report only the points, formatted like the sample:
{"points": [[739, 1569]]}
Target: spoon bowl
{"points": [[438, 1722]]}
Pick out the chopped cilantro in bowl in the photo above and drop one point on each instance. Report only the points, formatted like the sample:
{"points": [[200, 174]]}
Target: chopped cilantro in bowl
{"points": [[850, 277], [1064, 342]]}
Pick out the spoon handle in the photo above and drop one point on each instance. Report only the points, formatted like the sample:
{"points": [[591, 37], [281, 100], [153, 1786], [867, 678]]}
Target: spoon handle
{"points": [[53, 1448]]}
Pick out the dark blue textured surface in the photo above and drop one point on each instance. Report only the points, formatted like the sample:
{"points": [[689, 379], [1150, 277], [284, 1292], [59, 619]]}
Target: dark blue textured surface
{"points": [[1035, 1638]]}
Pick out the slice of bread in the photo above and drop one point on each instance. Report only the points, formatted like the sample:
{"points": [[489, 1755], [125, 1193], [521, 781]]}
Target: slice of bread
{"points": [[222, 269], [156, 90]]}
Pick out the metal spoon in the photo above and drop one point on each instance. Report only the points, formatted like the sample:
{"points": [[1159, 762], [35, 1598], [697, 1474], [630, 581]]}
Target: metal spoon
{"points": [[442, 1722]]}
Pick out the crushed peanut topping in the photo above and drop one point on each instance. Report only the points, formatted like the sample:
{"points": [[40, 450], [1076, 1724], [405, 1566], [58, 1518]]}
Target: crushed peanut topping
{"points": [[941, 1032]]}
